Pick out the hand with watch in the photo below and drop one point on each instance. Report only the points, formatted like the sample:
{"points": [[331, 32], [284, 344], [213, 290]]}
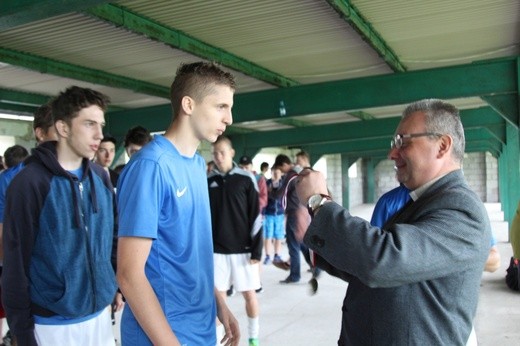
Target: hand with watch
{"points": [[312, 191], [316, 201]]}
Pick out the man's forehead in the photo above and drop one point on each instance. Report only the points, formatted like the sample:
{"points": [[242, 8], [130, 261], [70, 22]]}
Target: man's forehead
{"points": [[415, 122], [107, 144], [221, 146]]}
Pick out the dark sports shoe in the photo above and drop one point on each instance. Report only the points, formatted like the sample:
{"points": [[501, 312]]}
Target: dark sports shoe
{"points": [[288, 280], [284, 265]]}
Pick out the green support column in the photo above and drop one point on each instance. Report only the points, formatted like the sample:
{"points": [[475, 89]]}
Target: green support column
{"points": [[511, 194], [503, 185], [369, 181], [345, 185]]}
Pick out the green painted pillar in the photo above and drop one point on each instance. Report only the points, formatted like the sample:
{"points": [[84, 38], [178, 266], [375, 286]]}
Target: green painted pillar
{"points": [[511, 194], [503, 185], [345, 185], [369, 181]]}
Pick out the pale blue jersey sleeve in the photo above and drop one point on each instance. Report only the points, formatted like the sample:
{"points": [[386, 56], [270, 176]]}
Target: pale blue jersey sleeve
{"points": [[139, 199]]}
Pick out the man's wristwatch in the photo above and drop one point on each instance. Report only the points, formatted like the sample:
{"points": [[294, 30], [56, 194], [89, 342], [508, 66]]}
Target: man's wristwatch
{"points": [[316, 201]]}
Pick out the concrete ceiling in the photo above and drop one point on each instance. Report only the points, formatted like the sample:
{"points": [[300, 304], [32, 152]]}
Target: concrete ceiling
{"points": [[313, 67]]}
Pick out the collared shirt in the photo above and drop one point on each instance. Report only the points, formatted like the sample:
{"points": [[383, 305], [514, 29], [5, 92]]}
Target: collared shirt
{"points": [[415, 194]]}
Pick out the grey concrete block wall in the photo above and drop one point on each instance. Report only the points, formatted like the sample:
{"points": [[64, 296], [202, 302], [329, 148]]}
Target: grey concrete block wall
{"points": [[335, 177], [356, 196], [474, 167], [492, 192], [480, 170], [384, 174]]}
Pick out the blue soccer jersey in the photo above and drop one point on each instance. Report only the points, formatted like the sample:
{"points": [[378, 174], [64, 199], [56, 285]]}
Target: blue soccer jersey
{"points": [[163, 195]]}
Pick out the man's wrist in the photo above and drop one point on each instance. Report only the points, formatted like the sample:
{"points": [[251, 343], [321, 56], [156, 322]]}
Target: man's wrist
{"points": [[315, 202]]}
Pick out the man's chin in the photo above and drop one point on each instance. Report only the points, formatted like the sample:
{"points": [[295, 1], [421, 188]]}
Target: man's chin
{"points": [[211, 139]]}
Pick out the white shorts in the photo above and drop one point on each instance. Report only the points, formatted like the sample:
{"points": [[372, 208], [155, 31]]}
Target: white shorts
{"points": [[94, 332], [236, 270]]}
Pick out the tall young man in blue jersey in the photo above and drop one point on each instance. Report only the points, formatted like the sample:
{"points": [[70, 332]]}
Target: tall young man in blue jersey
{"points": [[59, 221], [165, 253]]}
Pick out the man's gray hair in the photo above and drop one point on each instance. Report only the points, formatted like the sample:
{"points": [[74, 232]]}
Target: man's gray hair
{"points": [[443, 118]]}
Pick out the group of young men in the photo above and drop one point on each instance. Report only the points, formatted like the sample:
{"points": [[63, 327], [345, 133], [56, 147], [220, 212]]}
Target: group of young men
{"points": [[183, 237], [61, 220]]}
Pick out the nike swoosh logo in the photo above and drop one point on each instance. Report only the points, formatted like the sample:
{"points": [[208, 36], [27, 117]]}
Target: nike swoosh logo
{"points": [[180, 193]]}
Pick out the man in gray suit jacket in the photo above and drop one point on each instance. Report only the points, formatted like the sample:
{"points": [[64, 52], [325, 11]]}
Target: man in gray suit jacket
{"points": [[416, 280]]}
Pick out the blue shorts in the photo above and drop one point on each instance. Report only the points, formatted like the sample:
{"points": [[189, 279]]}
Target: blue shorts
{"points": [[274, 226]]}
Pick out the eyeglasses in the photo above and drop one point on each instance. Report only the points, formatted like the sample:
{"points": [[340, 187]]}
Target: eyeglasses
{"points": [[397, 141]]}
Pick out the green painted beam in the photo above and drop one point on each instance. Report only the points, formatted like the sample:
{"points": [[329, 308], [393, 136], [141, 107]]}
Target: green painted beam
{"points": [[477, 79], [293, 122], [506, 106], [376, 149], [155, 118], [362, 115], [23, 97], [380, 128], [319, 134], [481, 116], [64, 69], [352, 15], [380, 147], [360, 133], [13, 108], [233, 130], [122, 17], [27, 102], [14, 13]]}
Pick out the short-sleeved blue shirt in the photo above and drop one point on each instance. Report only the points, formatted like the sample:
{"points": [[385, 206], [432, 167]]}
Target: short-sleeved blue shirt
{"points": [[163, 195]]}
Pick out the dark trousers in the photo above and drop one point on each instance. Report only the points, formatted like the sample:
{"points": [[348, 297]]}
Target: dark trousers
{"points": [[295, 247]]}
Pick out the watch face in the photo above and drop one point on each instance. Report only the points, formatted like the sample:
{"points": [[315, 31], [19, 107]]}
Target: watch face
{"points": [[314, 201]]}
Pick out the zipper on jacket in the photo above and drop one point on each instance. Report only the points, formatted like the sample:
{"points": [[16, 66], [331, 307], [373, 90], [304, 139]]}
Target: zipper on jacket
{"points": [[87, 234]]}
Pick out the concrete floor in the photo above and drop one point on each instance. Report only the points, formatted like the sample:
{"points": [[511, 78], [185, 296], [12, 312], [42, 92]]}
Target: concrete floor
{"points": [[290, 316]]}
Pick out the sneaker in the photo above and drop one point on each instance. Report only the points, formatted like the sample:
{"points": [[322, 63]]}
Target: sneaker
{"points": [[288, 280], [260, 290], [282, 265], [253, 342], [313, 286], [267, 260], [279, 263], [230, 292]]}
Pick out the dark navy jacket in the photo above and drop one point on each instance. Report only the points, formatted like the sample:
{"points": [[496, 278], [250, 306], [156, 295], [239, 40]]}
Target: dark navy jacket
{"points": [[58, 234]]}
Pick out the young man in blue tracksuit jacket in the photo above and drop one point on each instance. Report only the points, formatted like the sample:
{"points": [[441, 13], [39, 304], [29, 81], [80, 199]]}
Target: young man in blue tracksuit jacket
{"points": [[58, 231]]}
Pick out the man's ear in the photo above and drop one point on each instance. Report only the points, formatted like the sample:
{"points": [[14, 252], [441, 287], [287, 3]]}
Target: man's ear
{"points": [[445, 144], [62, 128], [38, 134], [187, 104]]}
